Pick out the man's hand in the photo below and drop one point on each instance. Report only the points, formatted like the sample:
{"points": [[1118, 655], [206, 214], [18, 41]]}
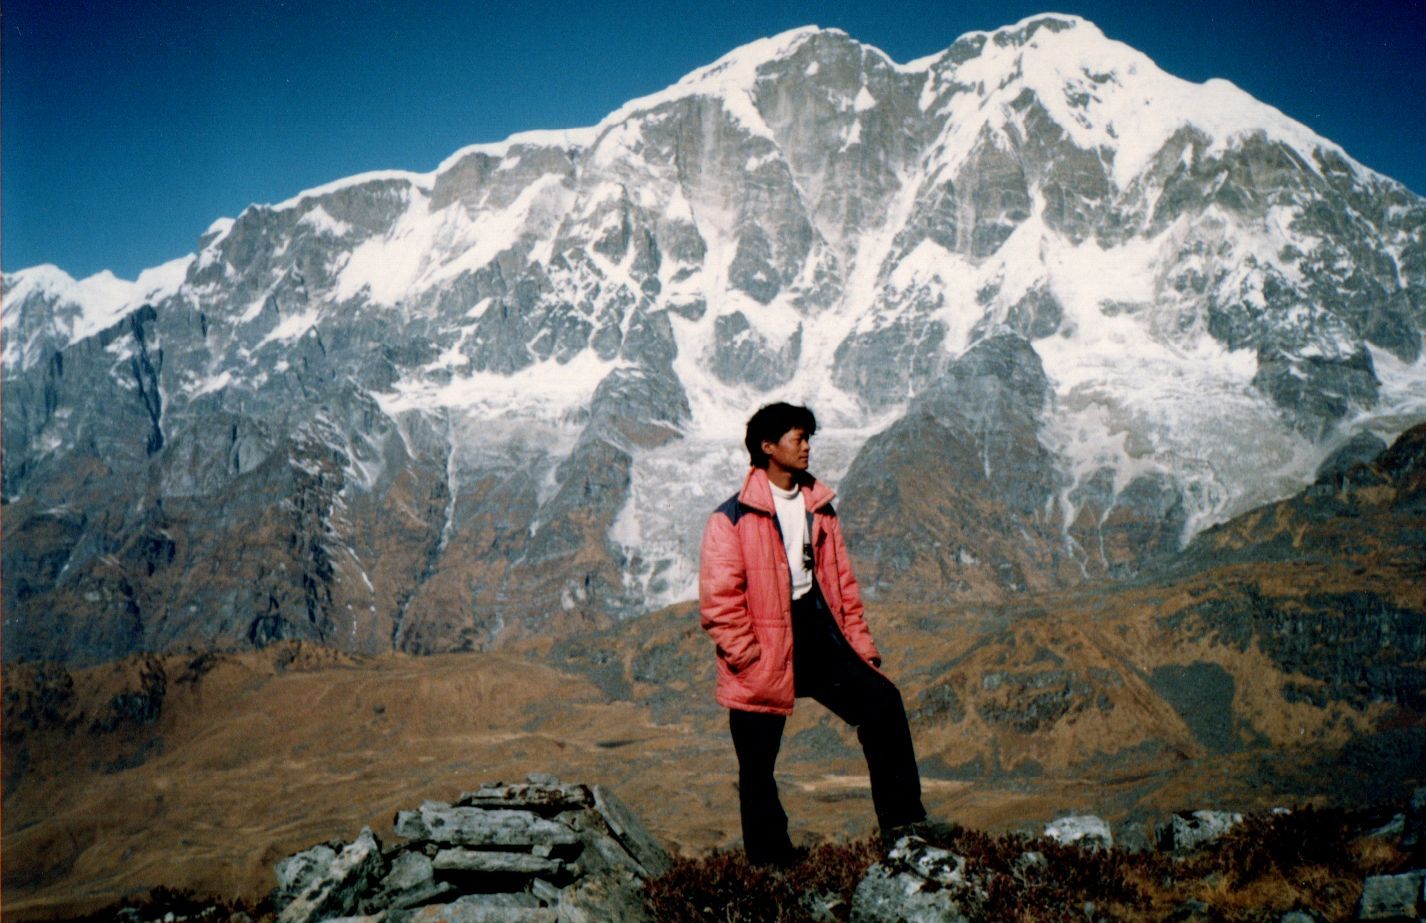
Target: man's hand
{"points": [[756, 655]]}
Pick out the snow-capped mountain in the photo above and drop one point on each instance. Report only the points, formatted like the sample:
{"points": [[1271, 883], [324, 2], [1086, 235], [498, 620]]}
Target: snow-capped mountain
{"points": [[437, 410]]}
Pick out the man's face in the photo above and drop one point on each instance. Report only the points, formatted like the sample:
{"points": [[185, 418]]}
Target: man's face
{"points": [[791, 451]]}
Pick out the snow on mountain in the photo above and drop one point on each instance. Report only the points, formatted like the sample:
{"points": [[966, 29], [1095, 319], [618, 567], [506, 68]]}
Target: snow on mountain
{"points": [[1104, 94], [500, 397], [72, 311]]}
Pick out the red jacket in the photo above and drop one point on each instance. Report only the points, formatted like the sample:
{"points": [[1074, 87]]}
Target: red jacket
{"points": [[745, 593]]}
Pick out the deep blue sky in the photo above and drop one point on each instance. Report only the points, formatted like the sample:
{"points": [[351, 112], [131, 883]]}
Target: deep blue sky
{"points": [[129, 125]]}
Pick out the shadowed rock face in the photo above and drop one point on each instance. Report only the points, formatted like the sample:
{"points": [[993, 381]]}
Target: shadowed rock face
{"points": [[1360, 449], [959, 497], [1358, 639], [1356, 647], [414, 411], [1355, 513], [1202, 694], [943, 499], [1298, 626]]}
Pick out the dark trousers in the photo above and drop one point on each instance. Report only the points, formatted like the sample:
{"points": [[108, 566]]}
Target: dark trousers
{"points": [[826, 668]]}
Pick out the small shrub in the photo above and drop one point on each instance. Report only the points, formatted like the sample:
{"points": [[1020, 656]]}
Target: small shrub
{"points": [[1266, 844], [726, 888], [177, 905], [1057, 889]]}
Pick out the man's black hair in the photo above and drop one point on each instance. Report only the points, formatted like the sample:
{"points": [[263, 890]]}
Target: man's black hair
{"points": [[771, 423]]}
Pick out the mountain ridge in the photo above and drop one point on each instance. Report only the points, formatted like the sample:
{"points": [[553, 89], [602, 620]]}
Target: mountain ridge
{"points": [[582, 137], [484, 408]]}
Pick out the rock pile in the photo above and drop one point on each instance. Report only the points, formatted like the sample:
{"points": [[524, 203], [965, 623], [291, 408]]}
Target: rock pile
{"points": [[532, 852]]}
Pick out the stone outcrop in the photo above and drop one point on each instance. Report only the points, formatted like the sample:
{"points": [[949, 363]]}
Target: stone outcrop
{"points": [[1187, 830], [917, 883], [949, 499], [1393, 897], [538, 851], [1084, 830], [324, 883]]}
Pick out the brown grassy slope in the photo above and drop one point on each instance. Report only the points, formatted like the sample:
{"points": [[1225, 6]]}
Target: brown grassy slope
{"points": [[254, 756], [251, 757]]}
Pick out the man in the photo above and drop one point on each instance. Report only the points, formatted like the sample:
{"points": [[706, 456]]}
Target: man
{"points": [[777, 595]]}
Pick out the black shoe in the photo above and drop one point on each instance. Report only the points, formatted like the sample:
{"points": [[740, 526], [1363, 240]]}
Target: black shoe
{"points": [[936, 832]]}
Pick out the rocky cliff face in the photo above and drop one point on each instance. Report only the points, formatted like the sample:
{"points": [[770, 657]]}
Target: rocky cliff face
{"points": [[1057, 310], [1359, 638], [1296, 627]]}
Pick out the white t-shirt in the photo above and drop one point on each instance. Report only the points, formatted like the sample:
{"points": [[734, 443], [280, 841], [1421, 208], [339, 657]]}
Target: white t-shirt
{"points": [[792, 517]]}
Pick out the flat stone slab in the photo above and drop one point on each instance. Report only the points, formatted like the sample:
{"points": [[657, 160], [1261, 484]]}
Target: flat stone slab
{"points": [[441, 823], [528, 795], [484, 860], [410, 883], [467, 910], [630, 832]]}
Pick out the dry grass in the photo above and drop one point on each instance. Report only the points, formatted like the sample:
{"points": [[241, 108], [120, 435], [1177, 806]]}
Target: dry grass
{"points": [[175, 906], [1332, 893], [724, 887], [1272, 863]]}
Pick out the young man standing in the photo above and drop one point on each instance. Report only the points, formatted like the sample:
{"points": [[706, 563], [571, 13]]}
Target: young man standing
{"points": [[777, 595]]}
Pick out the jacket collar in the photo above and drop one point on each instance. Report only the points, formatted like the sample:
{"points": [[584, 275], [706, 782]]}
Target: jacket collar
{"points": [[757, 492]]}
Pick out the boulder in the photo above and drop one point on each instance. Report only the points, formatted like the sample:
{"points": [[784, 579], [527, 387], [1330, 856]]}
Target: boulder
{"points": [[601, 899], [602, 854], [1393, 897], [1189, 830], [1083, 830], [337, 888], [630, 833], [1393, 829], [299, 870], [1135, 835], [916, 883], [410, 882]]}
